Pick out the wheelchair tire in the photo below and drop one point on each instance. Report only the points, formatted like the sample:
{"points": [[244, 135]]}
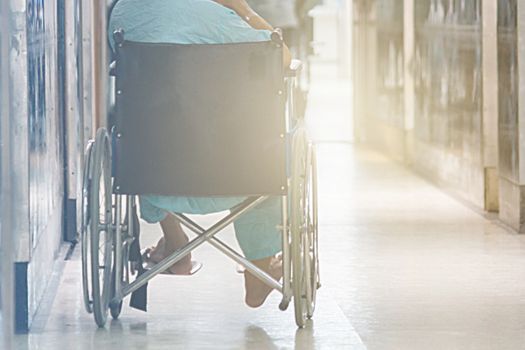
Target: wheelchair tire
{"points": [[84, 231], [100, 213], [115, 310], [312, 247], [299, 237]]}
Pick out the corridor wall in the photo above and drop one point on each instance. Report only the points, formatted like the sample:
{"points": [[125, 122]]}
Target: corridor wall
{"points": [[425, 107], [38, 159], [448, 89], [385, 127], [51, 52], [511, 119], [7, 246]]}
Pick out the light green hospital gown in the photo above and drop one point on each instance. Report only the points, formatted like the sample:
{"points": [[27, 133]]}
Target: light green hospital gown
{"points": [[199, 22]]}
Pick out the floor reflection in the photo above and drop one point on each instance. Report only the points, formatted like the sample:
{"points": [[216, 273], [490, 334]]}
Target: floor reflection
{"points": [[304, 338], [257, 338]]}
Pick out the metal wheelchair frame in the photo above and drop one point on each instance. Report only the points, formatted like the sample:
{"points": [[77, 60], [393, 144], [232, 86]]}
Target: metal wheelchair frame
{"points": [[107, 282]]}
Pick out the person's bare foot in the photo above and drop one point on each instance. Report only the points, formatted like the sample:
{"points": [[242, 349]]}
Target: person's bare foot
{"points": [[256, 290], [160, 251]]}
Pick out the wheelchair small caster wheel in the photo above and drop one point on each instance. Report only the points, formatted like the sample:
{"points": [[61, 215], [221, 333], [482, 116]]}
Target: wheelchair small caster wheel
{"points": [[284, 305], [115, 309]]}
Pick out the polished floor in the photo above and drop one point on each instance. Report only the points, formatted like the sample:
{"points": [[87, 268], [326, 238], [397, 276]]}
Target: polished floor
{"points": [[404, 266], [417, 269]]}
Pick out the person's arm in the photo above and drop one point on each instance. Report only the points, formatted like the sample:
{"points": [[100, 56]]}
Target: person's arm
{"points": [[244, 10]]}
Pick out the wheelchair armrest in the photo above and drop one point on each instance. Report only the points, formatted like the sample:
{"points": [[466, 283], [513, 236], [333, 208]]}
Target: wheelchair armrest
{"points": [[294, 69], [113, 69]]}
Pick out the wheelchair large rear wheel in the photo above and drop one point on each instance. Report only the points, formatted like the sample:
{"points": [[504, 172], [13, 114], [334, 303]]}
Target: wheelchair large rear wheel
{"points": [[85, 230], [100, 214], [312, 246], [303, 226]]}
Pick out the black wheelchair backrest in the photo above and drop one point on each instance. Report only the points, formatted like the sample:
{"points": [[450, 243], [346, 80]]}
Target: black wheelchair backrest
{"points": [[200, 120]]}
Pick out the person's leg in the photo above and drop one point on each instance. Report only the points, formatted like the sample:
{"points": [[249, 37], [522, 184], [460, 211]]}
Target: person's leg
{"points": [[260, 240], [256, 290], [155, 209], [174, 238]]}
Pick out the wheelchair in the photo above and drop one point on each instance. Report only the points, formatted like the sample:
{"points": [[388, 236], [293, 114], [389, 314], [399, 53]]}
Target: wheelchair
{"points": [[198, 120]]}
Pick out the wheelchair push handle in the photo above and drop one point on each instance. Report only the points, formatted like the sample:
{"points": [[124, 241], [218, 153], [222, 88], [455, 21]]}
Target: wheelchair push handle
{"points": [[295, 65], [277, 36], [118, 36], [294, 68]]}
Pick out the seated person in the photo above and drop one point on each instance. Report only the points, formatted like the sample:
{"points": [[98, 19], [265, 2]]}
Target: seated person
{"points": [[205, 22]]}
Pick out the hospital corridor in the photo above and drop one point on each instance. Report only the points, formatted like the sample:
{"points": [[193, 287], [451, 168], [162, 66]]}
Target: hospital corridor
{"points": [[389, 163]]}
